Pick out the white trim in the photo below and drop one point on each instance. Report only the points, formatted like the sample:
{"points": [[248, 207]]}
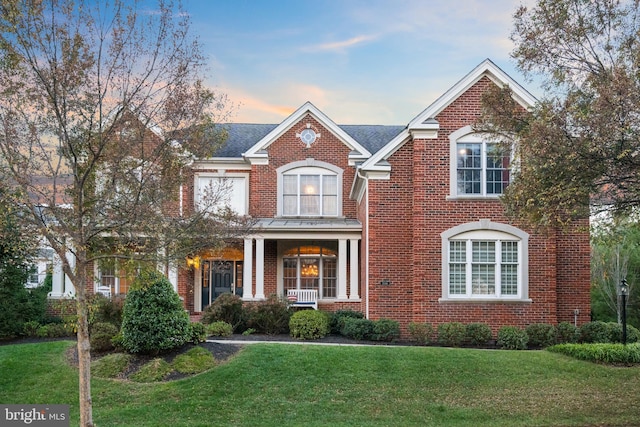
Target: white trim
{"points": [[221, 174]]}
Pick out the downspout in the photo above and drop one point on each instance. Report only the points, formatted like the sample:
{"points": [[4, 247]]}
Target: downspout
{"points": [[366, 242]]}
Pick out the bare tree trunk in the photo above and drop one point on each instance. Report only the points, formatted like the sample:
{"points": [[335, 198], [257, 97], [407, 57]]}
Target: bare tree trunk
{"points": [[84, 361]]}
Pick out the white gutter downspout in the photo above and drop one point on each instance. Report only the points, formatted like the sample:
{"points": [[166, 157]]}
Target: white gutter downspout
{"points": [[366, 243]]}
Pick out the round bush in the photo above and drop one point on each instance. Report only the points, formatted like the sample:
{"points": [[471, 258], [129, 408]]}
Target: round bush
{"points": [[615, 333], [566, 333], [385, 330], [451, 334], [337, 319], [153, 318], [478, 333], [219, 329], [309, 324], [358, 329], [197, 332], [594, 332], [512, 338], [541, 335], [421, 332], [101, 335], [270, 316]]}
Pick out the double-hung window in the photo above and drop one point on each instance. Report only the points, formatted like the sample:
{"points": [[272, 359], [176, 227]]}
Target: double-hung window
{"points": [[309, 190], [481, 263], [311, 267]]}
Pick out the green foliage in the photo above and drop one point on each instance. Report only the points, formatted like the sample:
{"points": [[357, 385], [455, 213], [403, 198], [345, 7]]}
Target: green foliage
{"points": [[451, 334], [385, 330], [194, 361], [270, 316], [226, 308], [338, 316], [594, 332], [219, 329], [197, 333], [478, 333], [110, 366], [30, 328], [358, 329], [55, 330], [541, 335], [601, 352], [153, 318], [101, 335], [249, 331], [422, 333], [153, 371], [567, 333], [105, 309], [615, 333], [512, 338], [309, 324]]}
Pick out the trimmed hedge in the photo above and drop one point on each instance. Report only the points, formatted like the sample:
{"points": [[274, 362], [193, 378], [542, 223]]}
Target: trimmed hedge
{"points": [[601, 352], [385, 330], [512, 338], [358, 329], [337, 319], [541, 335], [219, 329], [451, 334], [309, 324], [422, 333], [478, 333]]}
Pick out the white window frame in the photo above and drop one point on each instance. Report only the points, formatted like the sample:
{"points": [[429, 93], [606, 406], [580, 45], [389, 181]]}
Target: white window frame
{"points": [[310, 167], [467, 135], [486, 231], [322, 274], [241, 208]]}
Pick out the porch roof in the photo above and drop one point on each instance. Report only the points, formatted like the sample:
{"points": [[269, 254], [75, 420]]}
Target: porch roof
{"points": [[331, 225]]}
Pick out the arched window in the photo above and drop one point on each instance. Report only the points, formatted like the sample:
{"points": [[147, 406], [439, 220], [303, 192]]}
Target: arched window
{"points": [[311, 267], [309, 189], [484, 260]]}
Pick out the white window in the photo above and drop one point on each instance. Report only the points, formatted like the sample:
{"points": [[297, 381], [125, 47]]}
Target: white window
{"points": [[484, 260], [311, 267], [217, 192], [309, 189], [478, 167]]}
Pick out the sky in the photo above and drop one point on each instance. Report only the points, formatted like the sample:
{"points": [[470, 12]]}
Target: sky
{"points": [[358, 61]]}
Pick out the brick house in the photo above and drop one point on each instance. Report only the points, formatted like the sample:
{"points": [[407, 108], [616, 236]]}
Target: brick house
{"points": [[399, 222]]}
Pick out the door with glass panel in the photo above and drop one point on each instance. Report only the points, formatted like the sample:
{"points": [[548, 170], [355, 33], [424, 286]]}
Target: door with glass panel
{"points": [[220, 277]]}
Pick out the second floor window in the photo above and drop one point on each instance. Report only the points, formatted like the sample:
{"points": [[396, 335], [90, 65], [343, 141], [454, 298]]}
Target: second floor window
{"points": [[305, 193], [482, 168]]}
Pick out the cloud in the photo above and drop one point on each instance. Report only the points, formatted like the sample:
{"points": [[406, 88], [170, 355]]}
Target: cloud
{"points": [[339, 45]]}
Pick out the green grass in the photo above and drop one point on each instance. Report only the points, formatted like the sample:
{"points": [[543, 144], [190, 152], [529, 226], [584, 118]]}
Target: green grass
{"points": [[110, 366], [291, 385]]}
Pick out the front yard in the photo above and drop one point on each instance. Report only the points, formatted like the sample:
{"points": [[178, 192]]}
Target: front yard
{"points": [[280, 385]]}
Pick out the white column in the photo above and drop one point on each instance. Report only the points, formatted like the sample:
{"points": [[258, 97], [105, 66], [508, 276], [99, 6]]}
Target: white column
{"points": [[355, 266], [57, 288], [342, 269], [247, 271], [69, 290], [259, 269]]}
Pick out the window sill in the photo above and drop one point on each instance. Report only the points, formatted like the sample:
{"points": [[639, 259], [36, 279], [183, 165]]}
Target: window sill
{"points": [[486, 300], [459, 197], [335, 300]]}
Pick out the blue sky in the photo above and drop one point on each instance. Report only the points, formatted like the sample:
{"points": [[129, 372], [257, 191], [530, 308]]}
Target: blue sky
{"points": [[359, 61]]}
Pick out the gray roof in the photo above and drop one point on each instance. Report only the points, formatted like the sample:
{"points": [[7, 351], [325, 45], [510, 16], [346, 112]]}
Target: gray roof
{"points": [[242, 136]]}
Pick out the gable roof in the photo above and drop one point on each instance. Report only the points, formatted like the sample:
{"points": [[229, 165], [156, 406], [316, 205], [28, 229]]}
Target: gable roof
{"points": [[425, 122]]}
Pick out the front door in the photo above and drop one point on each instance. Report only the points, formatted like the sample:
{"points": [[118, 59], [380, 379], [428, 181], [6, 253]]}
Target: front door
{"points": [[219, 277]]}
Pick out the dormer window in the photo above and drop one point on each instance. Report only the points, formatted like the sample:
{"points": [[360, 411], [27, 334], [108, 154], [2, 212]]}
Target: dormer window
{"points": [[310, 190]]}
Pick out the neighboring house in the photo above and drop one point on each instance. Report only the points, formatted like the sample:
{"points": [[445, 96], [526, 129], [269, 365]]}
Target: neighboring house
{"points": [[399, 222]]}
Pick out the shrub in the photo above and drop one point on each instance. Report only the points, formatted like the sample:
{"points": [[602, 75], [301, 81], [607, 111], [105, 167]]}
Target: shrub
{"points": [[512, 338], [270, 316], [309, 324], [337, 319], [107, 309], [226, 308], [451, 333], [110, 366], [385, 330], [197, 333], [478, 333], [30, 328], [101, 335], [153, 319], [566, 333], [594, 332], [54, 330], [422, 333], [194, 361], [615, 333], [601, 352], [219, 329], [358, 329], [541, 335], [155, 370]]}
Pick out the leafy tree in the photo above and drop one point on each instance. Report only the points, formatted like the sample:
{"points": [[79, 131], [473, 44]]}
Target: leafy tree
{"points": [[102, 105], [578, 148]]}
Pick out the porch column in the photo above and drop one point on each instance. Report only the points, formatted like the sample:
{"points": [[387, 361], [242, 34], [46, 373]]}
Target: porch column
{"points": [[355, 266], [259, 269], [247, 271], [342, 269], [57, 288]]}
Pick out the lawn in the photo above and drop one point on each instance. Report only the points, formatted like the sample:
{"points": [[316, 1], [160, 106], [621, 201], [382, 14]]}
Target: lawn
{"points": [[282, 385]]}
